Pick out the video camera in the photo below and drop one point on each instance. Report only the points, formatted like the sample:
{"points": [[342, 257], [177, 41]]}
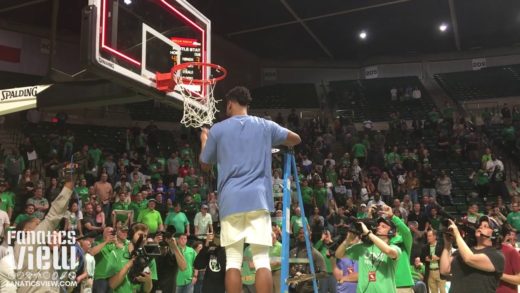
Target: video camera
{"points": [[467, 232], [169, 233], [143, 254]]}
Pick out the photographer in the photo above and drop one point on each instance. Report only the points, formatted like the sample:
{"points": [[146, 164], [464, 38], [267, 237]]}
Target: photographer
{"points": [[121, 267], [377, 259], [476, 269], [168, 263], [323, 246]]}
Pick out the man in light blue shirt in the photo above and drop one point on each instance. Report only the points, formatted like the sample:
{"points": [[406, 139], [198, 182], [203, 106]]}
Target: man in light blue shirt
{"points": [[241, 148]]}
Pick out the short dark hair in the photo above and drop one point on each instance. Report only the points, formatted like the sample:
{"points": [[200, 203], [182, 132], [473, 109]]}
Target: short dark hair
{"points": [[239, 94]]}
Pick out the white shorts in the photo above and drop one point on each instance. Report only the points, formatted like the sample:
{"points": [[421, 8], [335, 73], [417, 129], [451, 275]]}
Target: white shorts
{"points": [[254, 227]]}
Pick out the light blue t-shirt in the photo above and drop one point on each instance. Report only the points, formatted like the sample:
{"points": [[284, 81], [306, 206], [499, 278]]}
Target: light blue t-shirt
{"points": [[241, 148]]}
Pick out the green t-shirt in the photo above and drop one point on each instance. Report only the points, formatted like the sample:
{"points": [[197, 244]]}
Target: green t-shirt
{"points": [[116, 264], [359, 150], [103, 258], [22, 217], [124, 207], [321, 196], [138, 207], [297, 223], [191, 180], [177, 220], [248, 274], [514, 220], [7, 201], [417, 273], [434, 116], [276, 251], [151, 218], [82, 193], [307, 192], [197, 198], [185, 277], [323, 249], [392, 158], [95, 155], [155, 175], [371, 259]]}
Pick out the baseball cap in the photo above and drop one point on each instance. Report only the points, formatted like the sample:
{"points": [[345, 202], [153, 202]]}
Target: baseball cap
{"points": [[123, 228], [362, 205], [204, 206], [386, 221]]}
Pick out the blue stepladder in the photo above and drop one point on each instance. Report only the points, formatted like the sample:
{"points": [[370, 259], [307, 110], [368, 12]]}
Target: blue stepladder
{"points": [[290, 165]]}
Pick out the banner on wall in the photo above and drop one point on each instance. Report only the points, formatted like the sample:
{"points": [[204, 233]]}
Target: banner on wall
{"points": [[270, 74], [478, 63], [371, 72], [19, 99]]}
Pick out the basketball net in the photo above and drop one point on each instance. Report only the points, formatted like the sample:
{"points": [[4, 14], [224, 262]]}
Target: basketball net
{"points": [[197, 94], [199, 110]]}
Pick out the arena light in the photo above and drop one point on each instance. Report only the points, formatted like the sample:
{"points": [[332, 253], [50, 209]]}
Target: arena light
{"points": [[363, 35], [443, 27], [128, 2]]}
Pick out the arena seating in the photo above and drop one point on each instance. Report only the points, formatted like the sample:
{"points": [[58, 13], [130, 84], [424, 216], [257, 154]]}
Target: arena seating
{"points": [[111, 139], [285, 96], [145, 111], [492, 82], [370, 99]]}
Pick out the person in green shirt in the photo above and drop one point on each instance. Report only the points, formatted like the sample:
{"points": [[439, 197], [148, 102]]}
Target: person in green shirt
{"points": [[513, 217], [248, 271], [327, 284], [95, 154], [377, 260], [29, 213], [307, 193], [151, 218], [122, 211], [418, 276], [138, 204], [275, 253], [360, 152], [186, 278], [6, 199], [320, 196], [404, 240], [296, 221], [82, 191], [119, 265], [178, 220]]}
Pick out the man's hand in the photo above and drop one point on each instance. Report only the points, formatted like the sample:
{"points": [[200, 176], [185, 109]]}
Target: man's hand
{"points": [[108, 237], [204, 135], [172, 243], [144, 278], [435, 258], [364, 228], [453, 228], [158, 238], [209, 238], [387, 211]]}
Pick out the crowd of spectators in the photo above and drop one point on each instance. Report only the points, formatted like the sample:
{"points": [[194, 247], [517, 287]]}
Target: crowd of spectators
{"points": [[344, 172]]}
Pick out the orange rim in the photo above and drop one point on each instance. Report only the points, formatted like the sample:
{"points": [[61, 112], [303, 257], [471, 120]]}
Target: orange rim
{"points": [[214, 80]]}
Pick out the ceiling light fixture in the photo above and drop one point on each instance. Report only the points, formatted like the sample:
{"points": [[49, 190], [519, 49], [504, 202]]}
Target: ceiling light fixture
{"points": [[443, 27], [362, 35]]}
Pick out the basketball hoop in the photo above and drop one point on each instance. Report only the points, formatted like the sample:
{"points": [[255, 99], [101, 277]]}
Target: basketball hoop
{"points": [[198, 94]]}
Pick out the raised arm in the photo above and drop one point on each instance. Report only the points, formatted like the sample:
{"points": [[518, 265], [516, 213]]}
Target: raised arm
{"points": [[58, 208], [446, 258], [478, 261], [380, 243]]}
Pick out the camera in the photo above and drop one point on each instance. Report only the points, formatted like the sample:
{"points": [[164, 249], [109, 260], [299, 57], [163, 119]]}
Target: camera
{"points": [[142, 258], [467, 232], [168, 234]]}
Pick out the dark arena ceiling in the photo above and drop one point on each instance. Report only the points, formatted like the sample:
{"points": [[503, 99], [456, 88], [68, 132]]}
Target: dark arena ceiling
{"points": [[320, 30]]}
